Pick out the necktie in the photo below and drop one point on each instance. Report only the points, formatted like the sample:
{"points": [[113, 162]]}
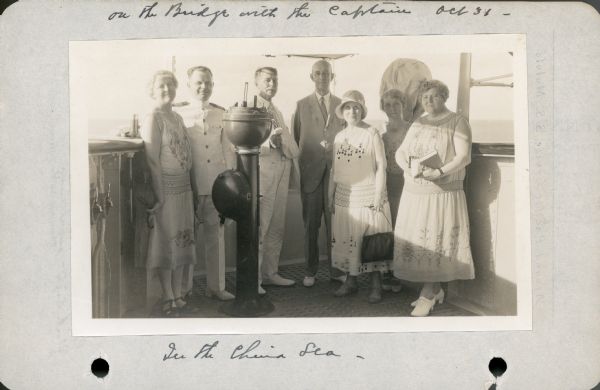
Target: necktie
{"points": [[274, 115], [323, 108]]}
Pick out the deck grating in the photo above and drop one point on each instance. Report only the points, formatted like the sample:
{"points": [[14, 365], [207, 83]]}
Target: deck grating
{"points": [[316, 301]]}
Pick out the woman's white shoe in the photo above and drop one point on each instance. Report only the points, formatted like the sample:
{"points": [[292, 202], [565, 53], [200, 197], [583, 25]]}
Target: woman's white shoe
{"points": [[438, 297], [424, 306]]}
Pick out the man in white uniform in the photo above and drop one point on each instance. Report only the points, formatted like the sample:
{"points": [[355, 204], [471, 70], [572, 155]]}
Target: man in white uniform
{"points": [[211, 154], [276, 158]]}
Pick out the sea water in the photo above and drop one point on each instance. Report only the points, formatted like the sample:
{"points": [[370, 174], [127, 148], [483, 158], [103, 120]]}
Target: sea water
{"points": [[484, 131]]}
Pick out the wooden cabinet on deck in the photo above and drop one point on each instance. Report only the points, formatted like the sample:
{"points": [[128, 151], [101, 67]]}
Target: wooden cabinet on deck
{"points": [[490, 192], [118, 280]]}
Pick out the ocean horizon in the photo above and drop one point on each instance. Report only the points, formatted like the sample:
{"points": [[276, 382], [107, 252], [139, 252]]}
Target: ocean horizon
{"points": [[484, 131]]}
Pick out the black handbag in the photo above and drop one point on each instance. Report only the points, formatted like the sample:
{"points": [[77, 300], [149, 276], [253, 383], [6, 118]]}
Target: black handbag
{"points": [[377, 247]]}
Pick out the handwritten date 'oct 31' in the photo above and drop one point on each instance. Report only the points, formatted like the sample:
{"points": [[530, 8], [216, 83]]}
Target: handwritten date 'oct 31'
{"points": [[251, 351], [464, 10]]}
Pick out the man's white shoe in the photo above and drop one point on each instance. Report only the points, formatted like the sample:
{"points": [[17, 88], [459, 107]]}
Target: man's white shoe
{"points": [[277, 280], [222, 295], [261, 291], [308, 281]]}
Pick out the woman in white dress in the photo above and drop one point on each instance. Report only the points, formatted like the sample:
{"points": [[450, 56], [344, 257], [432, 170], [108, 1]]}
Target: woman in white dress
{"points": [[432, 229], [168, 152], [358, 197]]}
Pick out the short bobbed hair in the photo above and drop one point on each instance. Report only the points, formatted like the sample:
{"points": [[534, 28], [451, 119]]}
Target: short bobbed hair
{"points": [[393, 94], [441, 88], [159, 74]]}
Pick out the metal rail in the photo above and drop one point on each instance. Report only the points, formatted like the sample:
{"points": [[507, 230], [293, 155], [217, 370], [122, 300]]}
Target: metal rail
{"points": [[465, 83]]}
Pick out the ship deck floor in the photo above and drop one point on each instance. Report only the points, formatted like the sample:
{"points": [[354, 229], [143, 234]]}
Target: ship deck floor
{"points": [[316, 301]]}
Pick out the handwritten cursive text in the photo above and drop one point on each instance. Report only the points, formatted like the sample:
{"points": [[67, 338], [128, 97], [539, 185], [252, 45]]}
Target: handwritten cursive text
{"points": [[262, 12], [205, 351], [206, 12], [312, 349], [387, 7], [172, 354], [464, 10], [353, 10], [240, 352], [300, 12]]}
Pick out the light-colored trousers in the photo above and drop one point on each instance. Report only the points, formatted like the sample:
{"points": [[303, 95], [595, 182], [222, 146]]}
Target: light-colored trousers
{"points": [[274, 185], [207, 243]]}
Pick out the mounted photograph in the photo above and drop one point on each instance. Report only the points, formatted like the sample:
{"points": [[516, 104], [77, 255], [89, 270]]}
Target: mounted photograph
{"points": [[299, 185]]}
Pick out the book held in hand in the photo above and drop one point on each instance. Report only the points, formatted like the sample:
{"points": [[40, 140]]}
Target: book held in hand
{"points": [[430, 160]]}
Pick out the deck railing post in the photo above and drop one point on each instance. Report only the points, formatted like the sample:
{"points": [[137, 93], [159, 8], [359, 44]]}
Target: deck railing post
{"points": [[464, 85]]}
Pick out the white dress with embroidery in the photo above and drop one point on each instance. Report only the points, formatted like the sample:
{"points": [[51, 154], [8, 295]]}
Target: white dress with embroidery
{"points": [[171, 242], [354, 168], [432, 228]]}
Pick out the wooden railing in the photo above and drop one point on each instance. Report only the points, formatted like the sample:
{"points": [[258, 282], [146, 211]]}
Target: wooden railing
{"points": [[119, 232]]}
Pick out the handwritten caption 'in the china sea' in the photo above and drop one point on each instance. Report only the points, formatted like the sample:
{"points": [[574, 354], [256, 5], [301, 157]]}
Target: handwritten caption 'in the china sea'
{"points": [[353, 11], [251, 351]]}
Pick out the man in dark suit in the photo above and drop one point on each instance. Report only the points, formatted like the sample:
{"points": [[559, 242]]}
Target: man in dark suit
{"points": [[315, 126]]}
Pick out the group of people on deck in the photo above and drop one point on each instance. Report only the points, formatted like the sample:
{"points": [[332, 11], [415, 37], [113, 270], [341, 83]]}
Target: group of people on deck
{"points": [[362, 182]]}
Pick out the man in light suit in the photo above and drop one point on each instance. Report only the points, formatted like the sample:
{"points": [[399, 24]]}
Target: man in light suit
{"points": [[212, 153], [277, 157], [315, 127]]}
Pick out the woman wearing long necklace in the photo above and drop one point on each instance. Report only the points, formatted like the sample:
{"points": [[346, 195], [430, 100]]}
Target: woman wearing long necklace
{"points": [[168, 153], [357, 195]]}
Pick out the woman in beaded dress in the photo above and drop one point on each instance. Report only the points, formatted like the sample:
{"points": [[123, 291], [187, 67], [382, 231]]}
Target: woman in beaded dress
{"points": [[357, 194], [168, 152], [431, 237]]}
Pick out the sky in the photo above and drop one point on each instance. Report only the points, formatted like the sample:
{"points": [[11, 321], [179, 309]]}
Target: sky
{"points": [[114, 75]]}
